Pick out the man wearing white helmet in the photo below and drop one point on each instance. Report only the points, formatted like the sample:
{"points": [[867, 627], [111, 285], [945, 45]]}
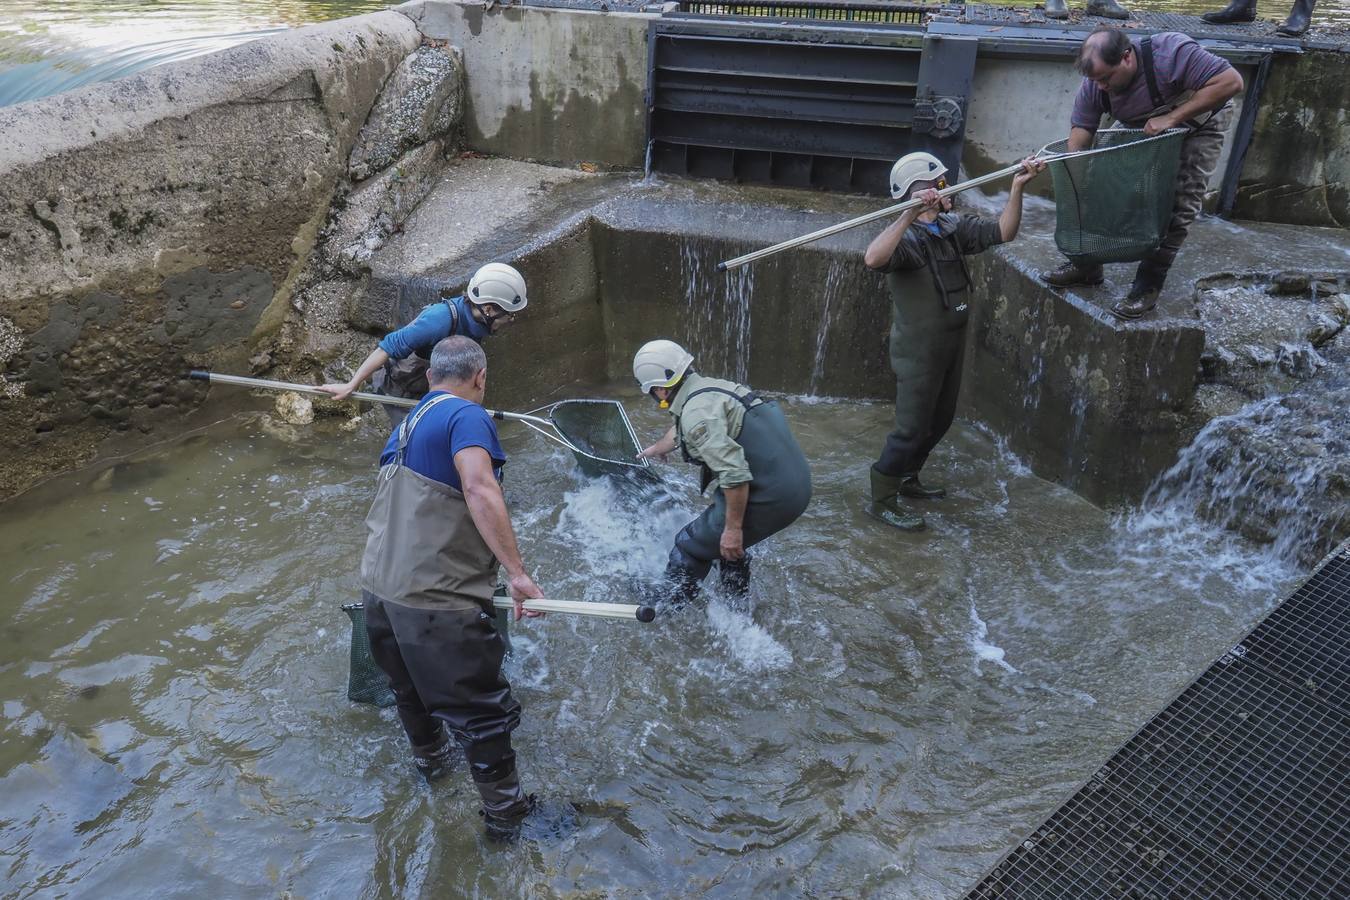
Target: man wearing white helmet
{"points": [[741, 441], [923, 255], [495, 296]]}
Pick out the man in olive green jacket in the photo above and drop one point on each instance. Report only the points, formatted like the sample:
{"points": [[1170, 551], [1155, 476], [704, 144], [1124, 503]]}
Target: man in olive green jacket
{"points": [[740, 441]]}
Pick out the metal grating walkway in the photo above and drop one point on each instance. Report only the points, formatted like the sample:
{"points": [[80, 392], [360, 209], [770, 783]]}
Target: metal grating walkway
{"points": [[1239, 788]]}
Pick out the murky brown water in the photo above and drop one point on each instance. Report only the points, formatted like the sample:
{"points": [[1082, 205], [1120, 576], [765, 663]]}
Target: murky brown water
{"points": [[896, 712]]}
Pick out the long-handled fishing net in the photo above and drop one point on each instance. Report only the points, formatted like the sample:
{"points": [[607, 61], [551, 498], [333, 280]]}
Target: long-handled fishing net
{"points": [[597, 432], [1129, 193]]}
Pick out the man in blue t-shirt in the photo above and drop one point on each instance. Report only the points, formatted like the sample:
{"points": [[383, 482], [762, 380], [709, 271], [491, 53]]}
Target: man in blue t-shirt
{"points": [[435, 532], [397, 367]]}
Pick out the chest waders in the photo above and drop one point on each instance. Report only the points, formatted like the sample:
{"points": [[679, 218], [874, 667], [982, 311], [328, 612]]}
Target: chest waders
{"points": [[780, 490], [926, 357], [427, 578], [407, 377]]}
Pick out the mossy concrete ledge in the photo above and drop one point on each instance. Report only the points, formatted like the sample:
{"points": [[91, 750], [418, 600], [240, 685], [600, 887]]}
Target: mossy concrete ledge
{"points": [[162, 221]]}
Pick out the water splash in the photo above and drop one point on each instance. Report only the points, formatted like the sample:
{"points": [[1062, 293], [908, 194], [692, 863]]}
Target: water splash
{"points": [[718, 303], [748, 643], [1275, 471], [978, 638]]}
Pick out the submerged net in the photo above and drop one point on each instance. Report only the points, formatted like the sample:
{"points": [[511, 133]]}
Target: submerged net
{"points": [[600, 430], [1113, 205], [366, 681]]}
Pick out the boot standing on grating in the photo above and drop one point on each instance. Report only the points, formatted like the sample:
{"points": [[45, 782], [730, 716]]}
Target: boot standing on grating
{"points": [[1107, 9], [397, 367], [742, 442], [923, 255], [1239, 12], [1156, 83], [435, 532]]}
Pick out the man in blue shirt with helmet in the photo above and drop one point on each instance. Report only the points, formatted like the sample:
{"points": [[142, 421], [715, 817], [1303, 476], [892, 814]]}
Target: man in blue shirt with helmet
{"points": [[397, 367]]}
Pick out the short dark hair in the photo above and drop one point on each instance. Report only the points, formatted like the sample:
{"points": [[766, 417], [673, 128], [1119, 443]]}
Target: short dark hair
{"points": [[456, 358], [1106, 43]]}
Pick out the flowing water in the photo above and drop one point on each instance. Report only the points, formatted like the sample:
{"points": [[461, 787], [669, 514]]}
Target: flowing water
{"points": [[892, 714], [50, 46]]}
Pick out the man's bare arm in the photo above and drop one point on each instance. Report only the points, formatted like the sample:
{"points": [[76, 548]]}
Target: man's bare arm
{"points": [[1215, 93], [487, 508], [373, 363]]}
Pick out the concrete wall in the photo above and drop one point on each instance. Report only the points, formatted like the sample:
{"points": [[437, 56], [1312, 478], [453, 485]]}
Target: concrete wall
{"points": [[1092, 405], [1298, 167], [554, 85], [163, 221]]}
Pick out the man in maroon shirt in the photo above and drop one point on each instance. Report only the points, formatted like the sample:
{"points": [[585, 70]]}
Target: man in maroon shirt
{"points": [[1156, 83]]}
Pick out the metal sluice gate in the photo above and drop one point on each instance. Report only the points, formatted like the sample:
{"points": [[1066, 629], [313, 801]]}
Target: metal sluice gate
{"points": [[1240, 788]]}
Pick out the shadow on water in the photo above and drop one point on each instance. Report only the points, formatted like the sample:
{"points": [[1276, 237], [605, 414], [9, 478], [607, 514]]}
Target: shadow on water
{"points": [[886, 713]]}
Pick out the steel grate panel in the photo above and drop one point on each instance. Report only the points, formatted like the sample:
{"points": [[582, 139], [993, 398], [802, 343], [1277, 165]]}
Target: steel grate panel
{"points": [[1099, 844], [1306, 640], [1251, 772], [1239, 788]]}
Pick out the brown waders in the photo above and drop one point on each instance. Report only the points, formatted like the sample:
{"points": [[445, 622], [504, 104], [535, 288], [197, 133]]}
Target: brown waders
{"points": [[427, 579]]}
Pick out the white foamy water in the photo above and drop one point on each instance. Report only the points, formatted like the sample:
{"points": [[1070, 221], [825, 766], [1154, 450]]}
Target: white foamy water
{"points": [[749, 644], [979, 643]]}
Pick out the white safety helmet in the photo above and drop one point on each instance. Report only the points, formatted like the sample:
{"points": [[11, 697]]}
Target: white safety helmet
{"points": [[499, 284], [914, 167], [660, 364]]}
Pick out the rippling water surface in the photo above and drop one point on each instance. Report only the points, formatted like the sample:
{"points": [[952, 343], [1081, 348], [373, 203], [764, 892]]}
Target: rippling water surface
{"points": [[50, 46], [892, 714]]}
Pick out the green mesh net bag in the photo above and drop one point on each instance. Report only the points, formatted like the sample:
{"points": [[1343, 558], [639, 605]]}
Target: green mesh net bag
{"points": [[366, 681], [1112, 204]]}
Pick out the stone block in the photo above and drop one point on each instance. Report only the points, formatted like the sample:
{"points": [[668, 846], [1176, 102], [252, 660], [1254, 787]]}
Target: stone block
{"points": [[422, 100]]}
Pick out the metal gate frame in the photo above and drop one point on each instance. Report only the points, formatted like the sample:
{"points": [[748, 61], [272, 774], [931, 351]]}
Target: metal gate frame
{"points": [[742, 113]]}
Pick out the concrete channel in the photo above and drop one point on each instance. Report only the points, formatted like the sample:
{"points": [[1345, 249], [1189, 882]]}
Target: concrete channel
{"points": [[274, 207]]}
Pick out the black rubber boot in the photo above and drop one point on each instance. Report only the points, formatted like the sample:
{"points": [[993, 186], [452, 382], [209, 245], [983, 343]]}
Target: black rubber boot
{"points": [[1235, 13], [911, 486], [1139, 302], [435, 761], [540, 822], [1070, 274], [885, 504], [734, 577], [1298, 20], [1056, 9], [504, 806], [1109, 9]]}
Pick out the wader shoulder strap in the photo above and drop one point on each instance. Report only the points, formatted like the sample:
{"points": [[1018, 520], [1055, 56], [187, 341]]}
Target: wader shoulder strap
{"points": [[1150, 75], [409, 423], [454, 315], [749, 401]]}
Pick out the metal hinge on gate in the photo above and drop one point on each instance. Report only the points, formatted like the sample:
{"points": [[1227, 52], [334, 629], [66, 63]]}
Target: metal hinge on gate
{"points": [[940, 117]]}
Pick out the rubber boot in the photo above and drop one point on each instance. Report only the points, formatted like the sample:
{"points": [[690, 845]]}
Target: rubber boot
{"points": [[504, 806], [1298, 20], [1235, 13], [734, 577], [1071, 273], [885, 503], [1056, 9], [435, 761], [1108, 9], [912, 487]]}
